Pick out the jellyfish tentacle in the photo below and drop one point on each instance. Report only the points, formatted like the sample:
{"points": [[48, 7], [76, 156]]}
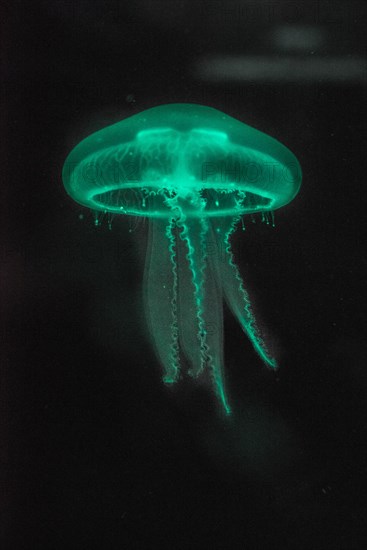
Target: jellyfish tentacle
{"points": [[214, 339], [173, 258], [235, 292], [193, 234], [161, 297], [200, 305]]}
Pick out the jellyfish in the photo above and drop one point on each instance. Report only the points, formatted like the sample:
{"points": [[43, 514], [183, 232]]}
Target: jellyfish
{"points": [[194, 173]]}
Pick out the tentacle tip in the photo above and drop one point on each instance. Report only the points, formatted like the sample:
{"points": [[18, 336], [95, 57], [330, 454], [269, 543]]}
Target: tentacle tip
{"points": [[194, 373], [272, 363], [227, 409], [169, 380]]}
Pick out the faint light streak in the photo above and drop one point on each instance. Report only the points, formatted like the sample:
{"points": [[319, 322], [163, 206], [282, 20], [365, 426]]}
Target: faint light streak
{"points": [[298, 38], [261, 68]]}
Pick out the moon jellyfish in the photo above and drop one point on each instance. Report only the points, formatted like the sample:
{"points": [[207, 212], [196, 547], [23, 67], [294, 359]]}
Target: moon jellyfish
{"points": [[193, 172]]}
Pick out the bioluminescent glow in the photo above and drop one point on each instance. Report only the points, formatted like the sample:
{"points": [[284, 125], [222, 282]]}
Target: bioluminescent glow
{"points": [[196, 173]]}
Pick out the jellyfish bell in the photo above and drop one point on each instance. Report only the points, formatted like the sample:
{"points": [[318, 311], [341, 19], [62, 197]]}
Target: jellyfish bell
{"points": [[197, 144], [193, 171]]}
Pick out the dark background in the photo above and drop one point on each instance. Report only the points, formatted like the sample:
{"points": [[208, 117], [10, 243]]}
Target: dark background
{"points": [[95, 452]]}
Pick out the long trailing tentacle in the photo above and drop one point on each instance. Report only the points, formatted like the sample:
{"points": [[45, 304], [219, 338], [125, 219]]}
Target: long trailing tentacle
{"points": [[200, 307], [233, 286], [215, 331], [191, 256], [161, 296]]}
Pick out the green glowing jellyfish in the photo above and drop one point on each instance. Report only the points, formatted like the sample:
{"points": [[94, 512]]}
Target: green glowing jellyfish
{"points": [[195, 172]]}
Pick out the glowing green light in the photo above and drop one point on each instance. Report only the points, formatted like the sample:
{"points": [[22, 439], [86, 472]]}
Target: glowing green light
{"points": [[194, 172]]}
